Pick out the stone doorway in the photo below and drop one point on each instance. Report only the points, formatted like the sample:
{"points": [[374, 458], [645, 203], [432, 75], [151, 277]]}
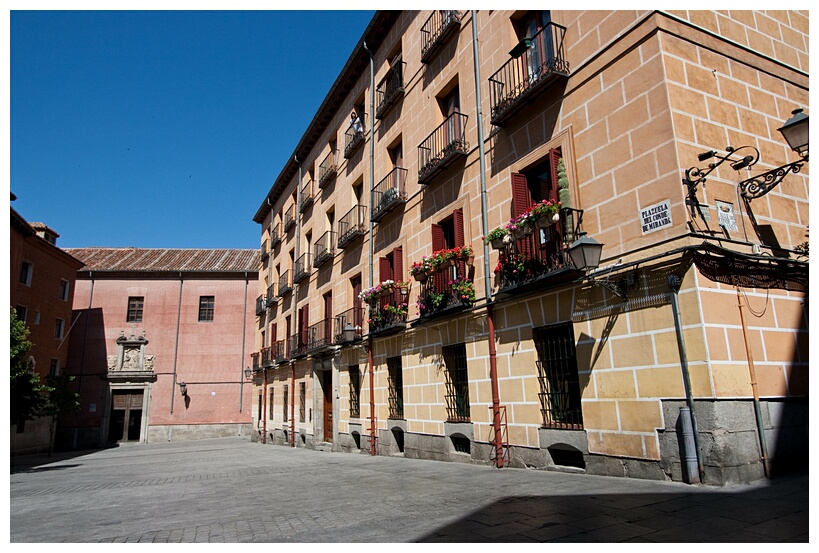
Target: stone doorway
{"points": [[126, 416]]}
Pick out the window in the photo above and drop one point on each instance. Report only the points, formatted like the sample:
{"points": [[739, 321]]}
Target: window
{"points": [[270, 405], [26, 272], [285, 400], [205, 308], [22, 313], [59, 329], [259, 409], [37, 317], [64, 287], [135, 304], [396, 387], [557, 376], [355, 391], [457, 383], [302, 400], [535, 26], [54, 368]]}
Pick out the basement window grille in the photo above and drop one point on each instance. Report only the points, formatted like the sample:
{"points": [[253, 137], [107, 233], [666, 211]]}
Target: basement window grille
{"points": [[355, 390], [302, 394], [396, 390], [557, 376], [457, 383]]}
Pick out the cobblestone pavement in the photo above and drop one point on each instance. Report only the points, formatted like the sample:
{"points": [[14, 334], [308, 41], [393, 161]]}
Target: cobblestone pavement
{"points": [[233, 490]]}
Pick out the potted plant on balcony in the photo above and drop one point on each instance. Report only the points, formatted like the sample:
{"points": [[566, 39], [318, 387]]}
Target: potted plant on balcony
{"points": [[466, 253], [546, 212], [396, 313], [496, 236], [369, 295], [464, 290], [386, 288], [420, 269]]}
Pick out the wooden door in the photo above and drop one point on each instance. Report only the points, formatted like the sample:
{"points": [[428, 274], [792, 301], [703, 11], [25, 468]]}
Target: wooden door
{"points": [[126, 416], [327, 392]]}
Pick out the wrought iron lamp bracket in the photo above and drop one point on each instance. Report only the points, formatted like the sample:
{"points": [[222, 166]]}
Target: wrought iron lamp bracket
{"points": [[696, 176], [617, 287], [758, 186]]}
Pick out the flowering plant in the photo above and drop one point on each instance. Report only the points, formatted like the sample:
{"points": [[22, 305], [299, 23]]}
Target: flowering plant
{"points": [[545, 208], [496, 234], [419, 268], [396, 311], [464, 290], [430, 302]]}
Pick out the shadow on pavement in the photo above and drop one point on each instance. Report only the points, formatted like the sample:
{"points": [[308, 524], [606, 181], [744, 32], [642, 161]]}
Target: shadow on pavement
{"points": [[38, 462]]}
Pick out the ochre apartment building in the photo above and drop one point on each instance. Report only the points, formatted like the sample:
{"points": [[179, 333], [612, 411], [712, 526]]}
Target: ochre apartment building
{"points": [[160, 345], [386, 324]]}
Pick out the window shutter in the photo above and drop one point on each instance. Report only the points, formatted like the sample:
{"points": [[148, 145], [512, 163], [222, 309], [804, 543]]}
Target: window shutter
{"points": [[521, 197], [458, 223], [438, 240], [551, 192], [384, 269], [398, 264]]}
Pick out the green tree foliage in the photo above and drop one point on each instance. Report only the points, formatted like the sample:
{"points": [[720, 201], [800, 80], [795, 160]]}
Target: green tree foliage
{"points": [[61, 400], [26, 392]]}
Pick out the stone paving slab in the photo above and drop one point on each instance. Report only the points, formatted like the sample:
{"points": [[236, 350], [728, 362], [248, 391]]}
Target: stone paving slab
{"points": [[232, 490]]}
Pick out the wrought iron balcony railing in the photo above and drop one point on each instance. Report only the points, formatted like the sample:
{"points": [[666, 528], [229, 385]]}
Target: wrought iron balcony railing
{"points": [[256, 359], [391, 87], [298, 345], [284, 284], [541, 60], [261, 304], [353, 137], [320, 336], [352, 225], [265, 250], [388, 313], [539, 255], [324, 249], [272, 297], [437, 28], [306, 196], [267, 357], [301, 270], [447, 289], [388, 193], [353, 317], [275, 235], [289, 218], [281, 350], [327, 169], [442, 147]]}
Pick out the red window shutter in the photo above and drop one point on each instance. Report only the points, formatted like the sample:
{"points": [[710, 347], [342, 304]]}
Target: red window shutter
{"points": [[438, 240], [521, 197], [274, 334], [398, 264], [384, 269], [458, 223]]}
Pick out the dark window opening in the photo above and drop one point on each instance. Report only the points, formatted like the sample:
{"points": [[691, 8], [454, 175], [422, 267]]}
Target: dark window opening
{"points": [[557, 376], [135, 305], [302, 399], [457, 383], [355, 390], [461, 443], [567, 457], [396, 387], [206, 308], [398, 437], [285, 398]]}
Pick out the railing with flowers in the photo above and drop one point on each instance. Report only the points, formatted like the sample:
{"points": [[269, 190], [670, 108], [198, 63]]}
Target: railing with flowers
{"points": [[352, 225], [534, 61], [531, 252], [445, 279], [327, 169], [388, 306]]}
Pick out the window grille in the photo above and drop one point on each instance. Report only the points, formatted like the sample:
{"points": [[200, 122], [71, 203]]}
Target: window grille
{"points": [[355, 390], [302, 394], [557, 376], [396, 387], [457, 383], [285, 401]]}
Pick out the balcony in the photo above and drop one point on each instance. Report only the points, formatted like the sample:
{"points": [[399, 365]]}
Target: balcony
{"points": [[536, 62], [391, 87], [320, 336], [306, 196], [261, 304], [284, 284], [352, 225], [302, 268], [267, 357], [275, 235], [388, 311], [437, 28], [441, 148], [352, 140], [272, 297], [324, 249], [281, 351], [352, 317], [289, 218], [256, 359], [447, 289], [298, 345], [265, 250], [539, 258], [327, 170], [389, 193]]}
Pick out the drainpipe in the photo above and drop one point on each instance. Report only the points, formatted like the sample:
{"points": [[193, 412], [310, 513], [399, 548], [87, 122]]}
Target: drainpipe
{"points": [[695, 474], [490, 312], [293, 404], [373, 436], [760, 428], [295, 310], [176, 342]]}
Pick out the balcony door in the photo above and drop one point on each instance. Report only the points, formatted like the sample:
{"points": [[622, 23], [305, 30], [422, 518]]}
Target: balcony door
{"points": [[450, 105], [535, 25]]}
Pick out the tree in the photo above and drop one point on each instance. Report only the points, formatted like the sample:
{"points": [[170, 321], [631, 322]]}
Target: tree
{"points": [[26, 391], [61, 400]]}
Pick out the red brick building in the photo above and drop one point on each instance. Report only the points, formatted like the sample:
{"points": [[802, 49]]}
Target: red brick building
{"points": [[41, 291], [160, 344]]}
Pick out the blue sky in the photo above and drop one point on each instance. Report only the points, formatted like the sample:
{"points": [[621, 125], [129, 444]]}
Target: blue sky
{"points": [[163, 128]]}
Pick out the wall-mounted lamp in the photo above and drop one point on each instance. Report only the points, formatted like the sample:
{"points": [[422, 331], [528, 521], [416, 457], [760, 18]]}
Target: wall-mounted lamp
{"points": [[696, 176], [183, 389], [348, 334], [248, 373], [796, 134], [585, 254]]}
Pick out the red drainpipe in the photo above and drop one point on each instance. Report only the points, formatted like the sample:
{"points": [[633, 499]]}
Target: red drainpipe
{"points": [[372, 398], [493, 377], [293, 405]]}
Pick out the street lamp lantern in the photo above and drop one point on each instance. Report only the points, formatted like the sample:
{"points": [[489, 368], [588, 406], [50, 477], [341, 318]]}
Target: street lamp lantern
{"points": [[795, 132], [248, 372], [585, 252], [348, 332]]}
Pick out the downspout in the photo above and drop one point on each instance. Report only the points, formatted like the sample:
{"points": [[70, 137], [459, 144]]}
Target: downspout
{"points": [[295, 311], [490, 312], [674, 282], [176, 340], [760, 428], [373, 436]]}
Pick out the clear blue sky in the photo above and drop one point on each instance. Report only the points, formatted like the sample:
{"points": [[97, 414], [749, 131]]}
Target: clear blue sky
{"points": [[163, 128]]}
